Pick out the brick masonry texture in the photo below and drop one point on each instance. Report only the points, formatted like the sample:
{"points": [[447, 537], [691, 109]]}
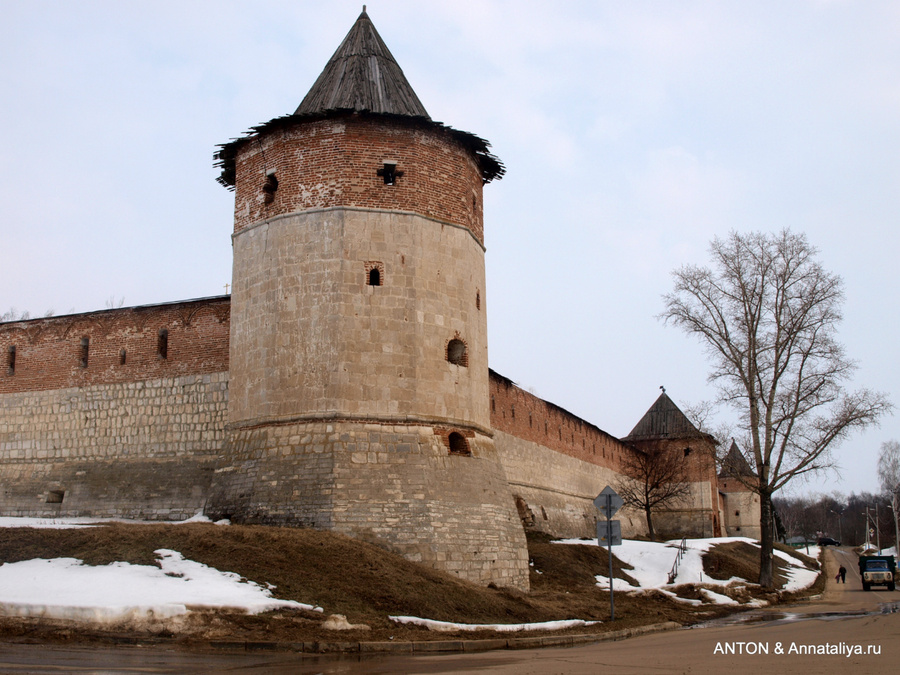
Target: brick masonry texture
{"points": [[338, 163], [122, 346]]}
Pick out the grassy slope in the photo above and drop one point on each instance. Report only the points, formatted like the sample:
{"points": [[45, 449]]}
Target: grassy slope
{"points": [[361, 581]]}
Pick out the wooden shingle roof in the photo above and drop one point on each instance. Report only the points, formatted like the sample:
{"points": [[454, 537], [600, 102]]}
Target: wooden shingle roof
{"points": [[735, 465], [362, 76], [663, 420]]}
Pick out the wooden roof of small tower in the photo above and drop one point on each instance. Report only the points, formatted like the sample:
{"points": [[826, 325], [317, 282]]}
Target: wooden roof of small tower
{"points": [[664, 420], [362, 76], [735, 465]]}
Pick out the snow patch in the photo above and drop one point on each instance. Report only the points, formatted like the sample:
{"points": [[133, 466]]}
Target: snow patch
{"points": [[652, 562], [447, 627], [66, 588]]}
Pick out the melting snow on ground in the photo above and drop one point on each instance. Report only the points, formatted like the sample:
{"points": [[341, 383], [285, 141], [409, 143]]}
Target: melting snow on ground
{"points": [[66, 588], [653, 561], [449, 627]]}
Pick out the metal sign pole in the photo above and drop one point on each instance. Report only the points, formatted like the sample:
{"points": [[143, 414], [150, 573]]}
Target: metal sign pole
{"points": [[608, 503], [612, 602]]}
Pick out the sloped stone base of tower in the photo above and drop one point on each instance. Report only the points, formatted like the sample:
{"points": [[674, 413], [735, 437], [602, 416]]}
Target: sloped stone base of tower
{"points": [[397, 486]]}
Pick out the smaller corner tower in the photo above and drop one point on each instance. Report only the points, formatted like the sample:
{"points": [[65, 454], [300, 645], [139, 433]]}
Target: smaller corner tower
{"points": [[358, 393], [740, 504], [665, 429]]}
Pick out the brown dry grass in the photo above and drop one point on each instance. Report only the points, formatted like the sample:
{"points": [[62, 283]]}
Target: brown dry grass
{"points": [[359, 580]]}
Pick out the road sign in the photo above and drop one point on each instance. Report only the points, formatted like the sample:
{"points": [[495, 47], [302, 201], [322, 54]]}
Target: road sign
{"points": [[609, 502], [609, 533]]}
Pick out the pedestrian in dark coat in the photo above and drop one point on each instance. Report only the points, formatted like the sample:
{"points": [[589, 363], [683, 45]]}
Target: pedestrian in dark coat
{"points": [[842, 572]]}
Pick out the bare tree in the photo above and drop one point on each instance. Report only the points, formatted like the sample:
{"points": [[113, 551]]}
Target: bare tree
{"points": [[767, 313], [14, 315], [653, 480], [889, 478], [889, 467]]}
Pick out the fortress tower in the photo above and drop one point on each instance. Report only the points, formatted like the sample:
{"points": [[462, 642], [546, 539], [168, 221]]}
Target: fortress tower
{"points": [[359, 390]]}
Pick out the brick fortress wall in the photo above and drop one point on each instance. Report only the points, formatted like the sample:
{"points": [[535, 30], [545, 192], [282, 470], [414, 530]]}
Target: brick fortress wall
{"points": [[113, 413], [556, 463]]}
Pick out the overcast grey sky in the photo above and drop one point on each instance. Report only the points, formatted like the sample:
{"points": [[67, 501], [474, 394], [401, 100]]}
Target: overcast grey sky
{"points": [[633, 133]]}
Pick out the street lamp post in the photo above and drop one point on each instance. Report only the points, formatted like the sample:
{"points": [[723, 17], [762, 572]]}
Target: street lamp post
{"points": [[840, 515]]}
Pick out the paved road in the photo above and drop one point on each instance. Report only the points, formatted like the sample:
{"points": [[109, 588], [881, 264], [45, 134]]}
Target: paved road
{"points": [[732, 649]]}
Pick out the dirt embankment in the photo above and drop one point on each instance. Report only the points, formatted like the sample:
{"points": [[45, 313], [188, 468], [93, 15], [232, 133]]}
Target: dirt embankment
{"points": [[362, 582]]}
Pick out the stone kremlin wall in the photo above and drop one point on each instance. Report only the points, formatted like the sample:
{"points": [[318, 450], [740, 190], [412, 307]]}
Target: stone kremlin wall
{"points": [[142, 438], [100, 416]]}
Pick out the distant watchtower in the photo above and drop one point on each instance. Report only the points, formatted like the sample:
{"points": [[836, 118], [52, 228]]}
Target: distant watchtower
{"points": [[358, 391]]}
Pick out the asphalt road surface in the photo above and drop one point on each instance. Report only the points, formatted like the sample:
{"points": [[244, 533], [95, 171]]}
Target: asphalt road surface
{"points": [[846, 631]]}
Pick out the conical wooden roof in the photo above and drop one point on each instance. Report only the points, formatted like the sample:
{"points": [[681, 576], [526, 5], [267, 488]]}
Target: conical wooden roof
{"points": [[735, 465], [362, 76], [663, 420]]}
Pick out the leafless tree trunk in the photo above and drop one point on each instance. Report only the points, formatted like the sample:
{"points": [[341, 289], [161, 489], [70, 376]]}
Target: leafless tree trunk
{"points": [[767, 313], [889, 478]]}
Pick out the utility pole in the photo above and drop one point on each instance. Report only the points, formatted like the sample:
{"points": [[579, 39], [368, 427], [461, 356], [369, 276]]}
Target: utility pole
{"points": [[877, 530], [895, 502], [840, 515]]}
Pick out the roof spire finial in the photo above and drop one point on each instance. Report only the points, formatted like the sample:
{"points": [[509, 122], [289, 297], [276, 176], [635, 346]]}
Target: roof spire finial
{"points": [[663, 389]]}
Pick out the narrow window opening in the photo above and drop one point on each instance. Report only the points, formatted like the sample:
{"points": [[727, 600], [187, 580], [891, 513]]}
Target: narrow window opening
{"points": [[513, 411], [478, 300], [389, 173], [374, 273], [162, 344], [687, 451], [493, 404], [122, 357], [270, 186], [737, 513], [11, 360], [457, 353], [458, 444], [85, 349], [56, 496], [530, 425]]}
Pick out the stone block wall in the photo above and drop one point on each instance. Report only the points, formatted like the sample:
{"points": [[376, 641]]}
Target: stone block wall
{"points": [[396, 485], [554, 493], [741, 509], [142, 449], [312, 339], [521, 414]]}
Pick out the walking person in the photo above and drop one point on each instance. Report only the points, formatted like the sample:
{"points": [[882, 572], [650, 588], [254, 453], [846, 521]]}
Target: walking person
{"points": [[842, 573]]}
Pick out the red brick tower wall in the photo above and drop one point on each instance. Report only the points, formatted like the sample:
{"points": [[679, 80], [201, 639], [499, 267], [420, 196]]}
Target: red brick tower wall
{"points": [[334, 162]]}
